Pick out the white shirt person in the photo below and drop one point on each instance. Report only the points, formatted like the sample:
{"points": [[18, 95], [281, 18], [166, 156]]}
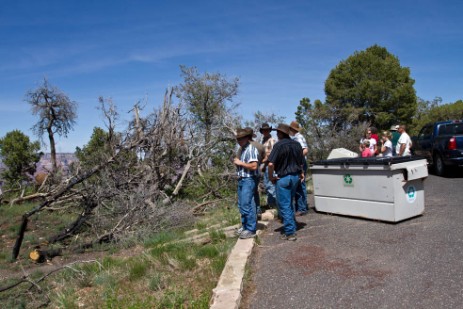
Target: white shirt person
{"points": [[404, 143]]}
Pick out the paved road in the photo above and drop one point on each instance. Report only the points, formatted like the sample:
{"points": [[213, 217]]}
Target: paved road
{"points": [[342, 262]]}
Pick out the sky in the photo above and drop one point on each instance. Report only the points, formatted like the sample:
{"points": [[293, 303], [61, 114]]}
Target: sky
{"points": [[281, 51]]}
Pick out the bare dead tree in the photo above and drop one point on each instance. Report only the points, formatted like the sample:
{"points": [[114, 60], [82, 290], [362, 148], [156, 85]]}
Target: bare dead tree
{"points": [[56, 112], [129, 185]]}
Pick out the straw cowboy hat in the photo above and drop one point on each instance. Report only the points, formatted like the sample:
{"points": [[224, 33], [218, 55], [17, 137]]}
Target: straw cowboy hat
{"points": [[295, 126], [284, 128], [265, 126], [244, 132]]}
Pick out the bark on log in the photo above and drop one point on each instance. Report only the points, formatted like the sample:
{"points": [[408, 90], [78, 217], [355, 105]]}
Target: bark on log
{"points": [[20, 237]]}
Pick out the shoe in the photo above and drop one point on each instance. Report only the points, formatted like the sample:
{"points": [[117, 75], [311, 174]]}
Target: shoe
{"points": [[300, 213], [239, 231], [247, 234], [291, 237]]}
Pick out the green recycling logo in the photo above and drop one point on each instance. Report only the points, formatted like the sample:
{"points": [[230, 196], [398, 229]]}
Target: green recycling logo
{"points": [[348, 181], [411, 194]]}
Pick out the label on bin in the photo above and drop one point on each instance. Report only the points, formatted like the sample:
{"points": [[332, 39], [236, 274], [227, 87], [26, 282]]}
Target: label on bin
{"points": [[411, 194], [348, 181]]}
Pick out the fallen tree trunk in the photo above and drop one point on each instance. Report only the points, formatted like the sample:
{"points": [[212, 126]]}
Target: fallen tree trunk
{"points": [[20, 237], [75, 226]]}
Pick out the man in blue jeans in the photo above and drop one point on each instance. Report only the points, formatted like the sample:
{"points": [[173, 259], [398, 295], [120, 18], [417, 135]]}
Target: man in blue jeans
{"points": [[286, 160], [248, 173]]}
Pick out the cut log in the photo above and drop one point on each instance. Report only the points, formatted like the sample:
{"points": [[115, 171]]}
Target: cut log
{"points": [[40, 256]]}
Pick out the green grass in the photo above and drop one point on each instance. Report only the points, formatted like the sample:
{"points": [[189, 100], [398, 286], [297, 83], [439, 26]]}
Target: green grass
{"points": [[137, 270], [38, 229], [201, 225], [105, 279], [208, 251], [156, 282], [159, 239], [217, 236], [67, 299], [166, 274]]}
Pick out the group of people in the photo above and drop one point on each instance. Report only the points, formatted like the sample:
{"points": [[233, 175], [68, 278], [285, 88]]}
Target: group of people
{"points": [[394, 142], [284, 166]]}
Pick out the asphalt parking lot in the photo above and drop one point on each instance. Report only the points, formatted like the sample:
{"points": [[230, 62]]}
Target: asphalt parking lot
{"points": [[344, 262]]}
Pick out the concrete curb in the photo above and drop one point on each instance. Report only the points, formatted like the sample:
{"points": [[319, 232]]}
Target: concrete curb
{"points": [[227, 293]]}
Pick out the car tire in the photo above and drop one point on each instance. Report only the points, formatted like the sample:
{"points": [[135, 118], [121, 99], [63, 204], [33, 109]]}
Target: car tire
{"points": [[439, 167]]}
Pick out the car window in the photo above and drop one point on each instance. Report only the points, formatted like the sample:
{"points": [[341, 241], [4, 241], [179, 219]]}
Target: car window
{"points": [[426, 133], [458, 128], [443, 129], [451, 129]]}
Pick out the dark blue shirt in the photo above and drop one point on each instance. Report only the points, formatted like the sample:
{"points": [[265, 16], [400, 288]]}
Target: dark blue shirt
{"points": [[287, 157]]}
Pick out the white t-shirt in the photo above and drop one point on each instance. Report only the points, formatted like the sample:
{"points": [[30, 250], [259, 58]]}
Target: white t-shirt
{"points": [[372, 143], [403, 139], [388, 152]]}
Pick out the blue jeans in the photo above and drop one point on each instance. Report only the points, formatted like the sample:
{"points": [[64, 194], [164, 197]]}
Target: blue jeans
{"points": [[257, 197], [246, 203], [301, 204], [270, 190], [286, 192]]}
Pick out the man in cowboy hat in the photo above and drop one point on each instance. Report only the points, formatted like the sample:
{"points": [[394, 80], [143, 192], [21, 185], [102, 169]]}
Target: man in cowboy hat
{"points": [[247, 170], [301, 203], [268, 141], [285, 171], [261, 150]]}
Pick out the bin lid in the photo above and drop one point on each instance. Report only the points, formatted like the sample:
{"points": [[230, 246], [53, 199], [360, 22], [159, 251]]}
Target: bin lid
{"points": [[369, 161]]}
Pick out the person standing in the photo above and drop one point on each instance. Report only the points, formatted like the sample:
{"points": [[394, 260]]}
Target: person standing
{"points": [[386, 148], [247, 170], [375, 136], [285, 170], [268, 141], [261, 156], [367, 136], [301, 203], [404, 143], [394, 138]]}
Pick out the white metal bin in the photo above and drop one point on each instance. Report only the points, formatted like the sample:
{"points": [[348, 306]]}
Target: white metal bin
{"points": [[386, 189]]}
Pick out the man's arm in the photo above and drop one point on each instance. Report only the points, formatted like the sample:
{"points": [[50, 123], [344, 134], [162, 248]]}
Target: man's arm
{"points": [[252, 166], [305, 151], [402, 149], [271, 169]]}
